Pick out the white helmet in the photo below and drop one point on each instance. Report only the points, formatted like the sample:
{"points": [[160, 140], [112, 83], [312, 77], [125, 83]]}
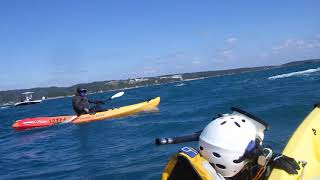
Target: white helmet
{"points": [[224, 141]]}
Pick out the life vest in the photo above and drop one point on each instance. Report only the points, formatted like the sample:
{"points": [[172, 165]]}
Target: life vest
{"points": [[188, 164]]}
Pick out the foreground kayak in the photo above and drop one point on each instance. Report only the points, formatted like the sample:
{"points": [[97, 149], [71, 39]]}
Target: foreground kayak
{"points": [[111, 113], [304, 146]]}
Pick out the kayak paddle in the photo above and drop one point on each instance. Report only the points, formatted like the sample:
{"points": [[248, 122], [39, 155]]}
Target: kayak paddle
{"points": [[119, 94], [176, 140]]}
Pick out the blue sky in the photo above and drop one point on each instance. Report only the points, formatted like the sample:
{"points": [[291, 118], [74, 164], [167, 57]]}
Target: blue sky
{"points": [[63, 42]]}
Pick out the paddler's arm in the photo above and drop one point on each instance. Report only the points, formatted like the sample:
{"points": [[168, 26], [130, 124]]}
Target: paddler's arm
{"points": [[96, 102], [266, 158]]}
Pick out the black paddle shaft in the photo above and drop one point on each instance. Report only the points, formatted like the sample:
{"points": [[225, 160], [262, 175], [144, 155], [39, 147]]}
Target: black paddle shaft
{"points": [[176, 140]]}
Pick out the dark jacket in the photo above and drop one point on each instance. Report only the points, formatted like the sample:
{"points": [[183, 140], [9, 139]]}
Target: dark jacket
{"points": [[80, 103]]}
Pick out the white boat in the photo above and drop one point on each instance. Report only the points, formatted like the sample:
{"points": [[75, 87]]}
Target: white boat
{"points": [[28, 99]]}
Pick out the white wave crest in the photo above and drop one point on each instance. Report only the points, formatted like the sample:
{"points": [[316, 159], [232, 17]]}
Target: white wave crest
{"points": [[297, 73], [178, 85]]}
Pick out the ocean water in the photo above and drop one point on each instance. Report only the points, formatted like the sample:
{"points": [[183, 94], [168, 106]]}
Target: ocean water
{"points": [[124, 148]]}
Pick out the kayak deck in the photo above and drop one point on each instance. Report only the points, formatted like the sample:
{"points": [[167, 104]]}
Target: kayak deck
{"points": [[118, 112], [304, 145], [28, 123]]}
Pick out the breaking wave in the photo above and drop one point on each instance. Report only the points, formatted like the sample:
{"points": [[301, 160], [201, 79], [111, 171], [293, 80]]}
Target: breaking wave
{"points": [[297, 73]]}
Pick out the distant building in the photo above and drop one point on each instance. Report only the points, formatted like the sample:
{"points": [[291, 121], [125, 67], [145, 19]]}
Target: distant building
{"points": [[141, 79], [136, 80], [112, 83], [178, 76], [131, 81]]}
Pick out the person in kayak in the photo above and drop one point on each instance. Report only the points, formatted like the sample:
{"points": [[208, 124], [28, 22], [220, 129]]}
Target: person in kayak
{"points": [[81, 104], [230, 147]]}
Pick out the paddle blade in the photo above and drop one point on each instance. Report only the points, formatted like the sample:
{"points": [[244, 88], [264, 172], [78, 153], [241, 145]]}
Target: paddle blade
{"points": [[119, 94]]}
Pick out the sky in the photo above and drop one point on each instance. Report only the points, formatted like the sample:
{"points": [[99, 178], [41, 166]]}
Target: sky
{"points": [[64, 42]]}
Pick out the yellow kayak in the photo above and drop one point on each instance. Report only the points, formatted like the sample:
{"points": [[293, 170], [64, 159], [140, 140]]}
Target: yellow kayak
{"points": [[118, 112], [304, 146]]}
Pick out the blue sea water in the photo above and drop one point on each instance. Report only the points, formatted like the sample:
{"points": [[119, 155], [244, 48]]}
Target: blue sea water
{"points": [[124, 148]]}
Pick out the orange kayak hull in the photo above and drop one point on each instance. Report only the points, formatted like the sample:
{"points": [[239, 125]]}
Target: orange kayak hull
{"points": [[37, 122]]}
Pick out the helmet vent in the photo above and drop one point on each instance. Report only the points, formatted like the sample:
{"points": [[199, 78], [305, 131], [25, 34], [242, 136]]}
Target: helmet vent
{"points": [[201, 148], [220, 166], [237, 124], [243, 120], [237, 161], [223, 123], [216, 154]]}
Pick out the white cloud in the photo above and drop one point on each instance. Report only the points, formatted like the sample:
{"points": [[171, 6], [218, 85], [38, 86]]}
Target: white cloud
{"points": [[227, 54], [149, 71], [300, 43], [195, 62], [231, 40], [172, 57], [263, 55], [312, 45], [284, 45], [296, 44]]}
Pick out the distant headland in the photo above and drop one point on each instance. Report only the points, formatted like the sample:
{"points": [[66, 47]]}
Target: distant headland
{"points": [[11, 96]]}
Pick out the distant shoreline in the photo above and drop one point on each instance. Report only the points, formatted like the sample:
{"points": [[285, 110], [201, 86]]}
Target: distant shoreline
{"points": [[136, 87], [12, 96]]}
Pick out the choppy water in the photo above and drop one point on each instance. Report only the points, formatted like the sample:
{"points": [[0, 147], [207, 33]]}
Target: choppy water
{"points": [[124, 148]]}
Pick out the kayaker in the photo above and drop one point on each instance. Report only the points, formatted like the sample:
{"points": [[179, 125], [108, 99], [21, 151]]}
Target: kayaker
{"points": [[230, 147], [81, 104]]}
